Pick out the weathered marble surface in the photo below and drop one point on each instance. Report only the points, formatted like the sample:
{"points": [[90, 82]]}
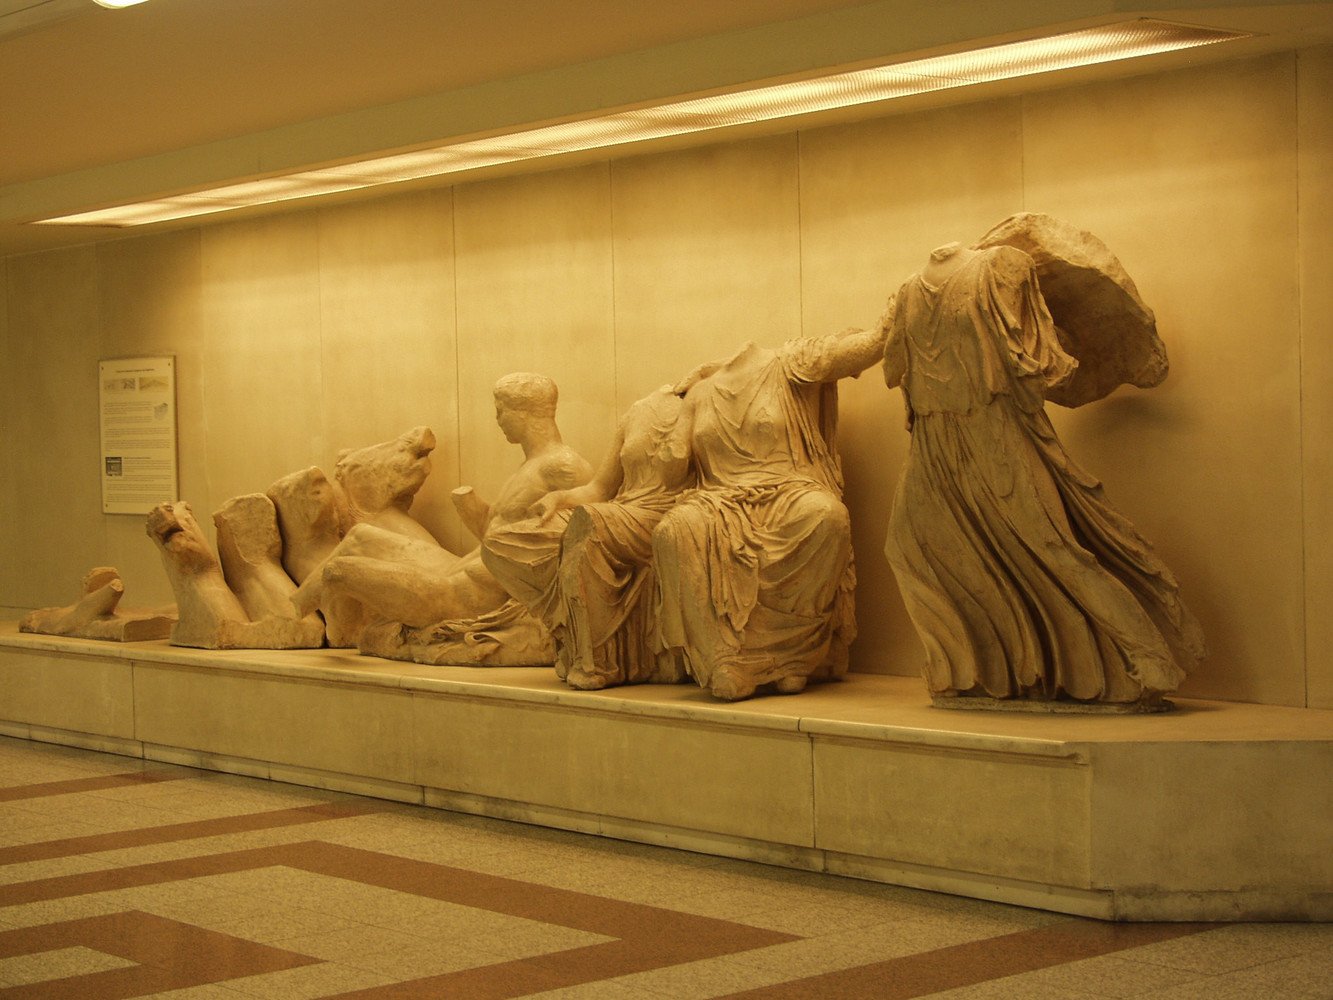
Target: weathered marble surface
{"points": [[1022, 580], [430, 605], [362, 514], [755, 564], [211, 616], [312, 519], [97, 614], [250, 552], [505, 637], [583, 564], [379, 482], [1099, 318]]}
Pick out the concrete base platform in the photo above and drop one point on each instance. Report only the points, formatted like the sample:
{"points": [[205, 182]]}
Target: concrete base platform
{"points": [[1217, 811]]}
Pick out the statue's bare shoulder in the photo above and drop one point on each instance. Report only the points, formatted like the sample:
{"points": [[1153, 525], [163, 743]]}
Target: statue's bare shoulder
{"points": [[562, 468]]}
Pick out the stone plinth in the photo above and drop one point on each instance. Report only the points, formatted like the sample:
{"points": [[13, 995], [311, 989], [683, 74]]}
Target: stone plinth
{"points": [[1217, 811]]}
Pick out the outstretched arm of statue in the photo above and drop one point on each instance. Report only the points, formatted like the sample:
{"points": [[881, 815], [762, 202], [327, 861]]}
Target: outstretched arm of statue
{"points": [[696, 375], [853, 351], [601, 487], [474, 511]]}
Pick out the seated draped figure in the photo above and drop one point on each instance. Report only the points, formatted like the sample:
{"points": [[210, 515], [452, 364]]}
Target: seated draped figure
{"points": [[430, 605], [583, 563], [1027, 588], [712, 543], [754, 565]]}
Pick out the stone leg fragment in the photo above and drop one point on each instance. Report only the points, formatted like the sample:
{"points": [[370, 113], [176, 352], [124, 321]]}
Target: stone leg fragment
{"points": [[95, 615], [251, 549], [211, 615]]}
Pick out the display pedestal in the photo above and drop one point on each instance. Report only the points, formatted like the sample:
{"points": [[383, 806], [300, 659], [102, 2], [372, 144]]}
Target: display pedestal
{"points": [[1217, 811]]}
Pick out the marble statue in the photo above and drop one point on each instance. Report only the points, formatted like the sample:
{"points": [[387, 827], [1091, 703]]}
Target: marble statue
{"points": [[1026, 586], [372, 493], [433, 606], [250, 551], [312, 519], [1098, 315], [583, 565], [380, 482], [754, 566], [98, 615], [211, 616]]}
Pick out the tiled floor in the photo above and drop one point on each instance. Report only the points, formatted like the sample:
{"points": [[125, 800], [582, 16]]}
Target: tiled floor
{"points": [[124, 878]]}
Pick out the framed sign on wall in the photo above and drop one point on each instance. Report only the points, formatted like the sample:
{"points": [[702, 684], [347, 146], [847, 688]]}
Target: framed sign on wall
{"points": [[137, 413]]}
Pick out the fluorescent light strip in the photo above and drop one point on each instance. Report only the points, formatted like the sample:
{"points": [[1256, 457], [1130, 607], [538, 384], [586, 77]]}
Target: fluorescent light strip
{"points": [[1090, 46]]}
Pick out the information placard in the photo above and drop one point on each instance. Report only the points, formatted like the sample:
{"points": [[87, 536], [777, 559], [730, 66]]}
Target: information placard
{"points": [[137, 404]]}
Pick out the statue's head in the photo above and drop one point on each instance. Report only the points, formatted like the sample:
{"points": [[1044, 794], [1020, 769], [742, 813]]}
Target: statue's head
{"points": [[388, 474], [523, 396], [177, 534]]}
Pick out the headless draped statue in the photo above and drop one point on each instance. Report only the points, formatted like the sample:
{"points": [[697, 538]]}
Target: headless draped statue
{"points": [[754, 566], [1023, 582]]}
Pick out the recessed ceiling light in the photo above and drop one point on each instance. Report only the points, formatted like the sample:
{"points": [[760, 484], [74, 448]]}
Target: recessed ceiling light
{"points": [[117, 4], [1089, 46]]}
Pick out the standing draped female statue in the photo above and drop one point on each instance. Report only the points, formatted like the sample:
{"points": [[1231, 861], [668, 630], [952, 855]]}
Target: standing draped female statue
{"points": [[1022, 580]]}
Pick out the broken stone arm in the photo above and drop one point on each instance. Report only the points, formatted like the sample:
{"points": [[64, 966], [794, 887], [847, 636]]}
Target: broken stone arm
{"points": [[474, 511], [853, 350]]}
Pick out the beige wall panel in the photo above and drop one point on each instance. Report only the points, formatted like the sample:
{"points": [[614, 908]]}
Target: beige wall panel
{"points": [[57, 535], [1190, 178], [84, 694], [876, 197], [990, 813], [707, 247], [149, 302], [534, 294], [351, 729], [389, 356], [263, 412], [1314, 102], [714, 779]]}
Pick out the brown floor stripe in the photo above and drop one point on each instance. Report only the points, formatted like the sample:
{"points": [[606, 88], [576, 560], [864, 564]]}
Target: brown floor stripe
{"points": [[69, 787], [647, 937], [193, 830], [170, 956], [972, 963]]}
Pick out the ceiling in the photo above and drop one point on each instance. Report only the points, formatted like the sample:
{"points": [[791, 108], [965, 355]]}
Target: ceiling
{"points": [[102, 107]]}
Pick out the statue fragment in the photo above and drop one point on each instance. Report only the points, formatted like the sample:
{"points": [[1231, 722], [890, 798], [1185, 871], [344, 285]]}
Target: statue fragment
{"points": [[97, 614]]}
